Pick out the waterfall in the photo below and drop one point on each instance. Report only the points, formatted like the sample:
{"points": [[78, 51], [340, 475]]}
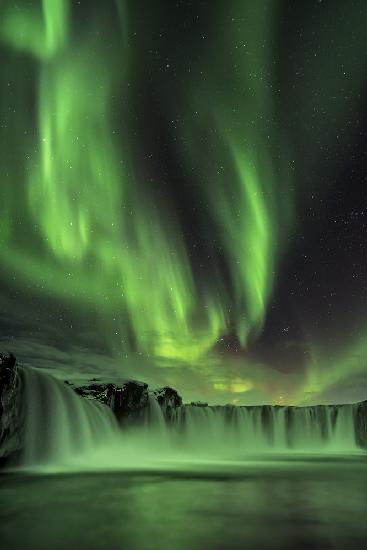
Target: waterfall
{"points": [[64, 430], [154, 426], [59, 425], [250, 430], [343, 435]]}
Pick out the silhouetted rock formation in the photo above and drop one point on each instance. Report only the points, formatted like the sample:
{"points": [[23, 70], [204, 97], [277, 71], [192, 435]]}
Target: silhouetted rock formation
{"points": [[360, 422], [168, 399], [10, 409], [127, 401]]}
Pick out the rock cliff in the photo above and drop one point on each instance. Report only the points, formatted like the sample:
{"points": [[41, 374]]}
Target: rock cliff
{"points": [[10, 409]]}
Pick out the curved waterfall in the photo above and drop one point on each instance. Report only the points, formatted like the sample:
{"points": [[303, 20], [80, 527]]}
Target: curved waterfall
{"points": [[59, 425], [63, 429]]}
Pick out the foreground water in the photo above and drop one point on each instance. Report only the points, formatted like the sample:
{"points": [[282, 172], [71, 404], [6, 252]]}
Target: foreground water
{"points": [[210, 478], [282, 502]]}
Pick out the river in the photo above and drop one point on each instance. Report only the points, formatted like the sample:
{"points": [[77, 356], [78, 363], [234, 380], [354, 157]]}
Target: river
{"points": [[282, 502]]}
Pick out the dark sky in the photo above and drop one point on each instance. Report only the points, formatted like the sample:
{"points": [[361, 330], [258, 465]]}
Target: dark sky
{"points": [[183, 194]]}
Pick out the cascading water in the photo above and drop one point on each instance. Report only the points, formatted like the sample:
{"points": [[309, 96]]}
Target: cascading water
{"points": [[60, 426], [64, 430], [251, 430], [155, 422]]}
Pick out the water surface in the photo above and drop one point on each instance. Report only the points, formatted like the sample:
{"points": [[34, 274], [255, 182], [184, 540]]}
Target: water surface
{"points": [[302, 502]]}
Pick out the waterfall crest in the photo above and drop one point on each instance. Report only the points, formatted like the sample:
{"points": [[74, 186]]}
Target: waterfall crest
{"points": [[60, 426], [260, 429], [64, 430]]}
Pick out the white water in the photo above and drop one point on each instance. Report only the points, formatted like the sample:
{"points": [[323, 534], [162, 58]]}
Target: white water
{"points": [[59, 425], [64, 430], [268, 429]]}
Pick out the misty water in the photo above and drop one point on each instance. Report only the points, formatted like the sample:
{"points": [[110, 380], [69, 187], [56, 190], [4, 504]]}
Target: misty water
{"points": [[65, 432], [211, 478], [285, 504]]}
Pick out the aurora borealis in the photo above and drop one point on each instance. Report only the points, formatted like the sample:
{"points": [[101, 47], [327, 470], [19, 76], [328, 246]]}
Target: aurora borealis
{"points": [[182, 194]]}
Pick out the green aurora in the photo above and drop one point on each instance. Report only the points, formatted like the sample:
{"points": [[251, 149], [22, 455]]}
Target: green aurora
{"points": [[81, 221]]}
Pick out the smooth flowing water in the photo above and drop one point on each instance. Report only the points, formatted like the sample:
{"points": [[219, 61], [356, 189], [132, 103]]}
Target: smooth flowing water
{"points": [[285, 504], [60, 426], [212, 477], [249, 430], [63, 431]]}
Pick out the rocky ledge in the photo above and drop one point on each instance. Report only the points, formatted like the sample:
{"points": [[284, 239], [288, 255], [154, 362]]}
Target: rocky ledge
{"points": [[10, 408], [129, 399]]}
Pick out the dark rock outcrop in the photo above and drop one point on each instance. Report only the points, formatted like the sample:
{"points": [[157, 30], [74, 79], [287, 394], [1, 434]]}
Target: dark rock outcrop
{"points": [[360, 423], [198, 404], [168, 399], [127, 400], [10, 410]]}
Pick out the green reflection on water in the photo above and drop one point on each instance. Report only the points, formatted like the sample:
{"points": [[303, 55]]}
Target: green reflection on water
{"points": [[285, 504]]}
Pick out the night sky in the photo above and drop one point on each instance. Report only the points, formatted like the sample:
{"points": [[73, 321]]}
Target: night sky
{"points": [[183, 194]]}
